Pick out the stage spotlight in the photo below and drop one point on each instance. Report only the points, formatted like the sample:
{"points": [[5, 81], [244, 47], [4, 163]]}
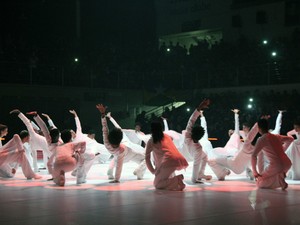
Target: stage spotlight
{"points": [[265, 42], [250, 99], [274, 53], [188, 109], [76, 59], [249, 106]]}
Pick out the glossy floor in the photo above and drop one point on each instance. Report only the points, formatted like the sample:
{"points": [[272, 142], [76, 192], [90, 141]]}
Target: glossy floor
{"points": [[234, 201]]}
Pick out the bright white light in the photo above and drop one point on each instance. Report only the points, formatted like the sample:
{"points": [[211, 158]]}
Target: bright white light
{"points": [[249, 106], [168, 49], [265, 42], [274, 54], [250, 99], [188, 109], [76, 59]]}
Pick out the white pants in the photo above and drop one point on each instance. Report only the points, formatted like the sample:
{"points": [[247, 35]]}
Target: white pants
{"points": [[124, 157]]}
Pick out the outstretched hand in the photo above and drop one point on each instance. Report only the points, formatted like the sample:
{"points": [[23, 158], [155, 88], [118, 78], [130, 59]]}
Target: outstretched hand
{"points": [[46, 115], [33, 113], [15, 111], [204, 104], [72, 111], [101, 108], [108, 115], [235, 111]]}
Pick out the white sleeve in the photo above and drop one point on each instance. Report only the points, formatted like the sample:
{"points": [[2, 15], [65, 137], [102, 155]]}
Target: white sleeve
{"points": [[278, 124], [166, 125]]}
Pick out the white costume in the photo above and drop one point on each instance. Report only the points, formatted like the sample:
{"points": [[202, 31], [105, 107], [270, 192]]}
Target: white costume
{"points": [[177, 138], [273, 147], [36, 142], [123, 153], [237, 163], [205, 143], [233, 144], [65, 158], [193, 151], [13, 152], [89, 154], [293, 152]]}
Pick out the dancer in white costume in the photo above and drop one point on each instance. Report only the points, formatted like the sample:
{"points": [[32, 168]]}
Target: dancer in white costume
{"points": [[273, 147], [234, 143], [126, 141], [205, 143], [65, 158], [36, 141], [192, 149], [167, 160], [221, 166], [177, 138], [293, 152], [90, 152], [24, 135], [122, 153], [133, 134], [13, 153]]}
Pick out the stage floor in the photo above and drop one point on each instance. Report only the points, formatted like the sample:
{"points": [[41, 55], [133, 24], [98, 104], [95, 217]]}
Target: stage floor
{"points": [[135, 202]]}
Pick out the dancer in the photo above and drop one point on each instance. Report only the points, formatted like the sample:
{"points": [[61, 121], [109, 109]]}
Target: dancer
{"points": [[192, 148], [90, 152], [279, 163], [167, 160], [37, 141], [234, 143], [293, 152], [13, 153], [204, 141], [222, 165], [122, 153], [66, 157]]}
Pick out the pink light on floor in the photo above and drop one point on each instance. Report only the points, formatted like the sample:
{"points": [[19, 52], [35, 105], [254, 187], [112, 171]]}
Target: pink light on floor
{"points": [[232, 186], [127, 186]]}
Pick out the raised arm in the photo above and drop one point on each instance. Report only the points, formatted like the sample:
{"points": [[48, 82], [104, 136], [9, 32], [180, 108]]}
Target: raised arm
{"points": [[278, 123], [236, 121], [25, 120], [49, 120], [165, 123], [77, 122], [203, 124], [204, 104], [148, 157], [43, 127]]}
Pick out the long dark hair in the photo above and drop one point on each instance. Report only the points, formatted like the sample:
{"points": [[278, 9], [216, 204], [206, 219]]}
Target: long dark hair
{"points": [[157, 131]]}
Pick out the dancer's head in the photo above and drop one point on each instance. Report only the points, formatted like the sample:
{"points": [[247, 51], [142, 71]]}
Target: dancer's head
{"points": [[115, 137], [3, 130], [66, 135], [263, 126], [24, 135], [297, 125], [157, 131], [197, 133], [54, 134], [246, 127]]}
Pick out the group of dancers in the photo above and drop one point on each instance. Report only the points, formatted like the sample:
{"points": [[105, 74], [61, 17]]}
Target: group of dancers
{"points": [[269, 161]]}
